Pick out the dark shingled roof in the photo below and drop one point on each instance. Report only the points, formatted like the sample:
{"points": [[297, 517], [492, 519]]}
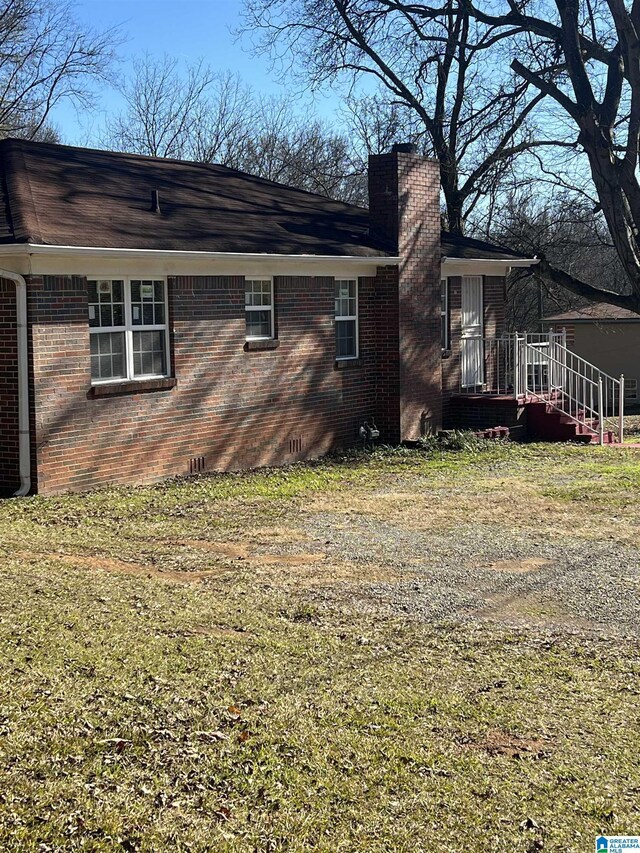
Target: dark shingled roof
{"points": [[597, 313], [465, 247], [64, 196]]}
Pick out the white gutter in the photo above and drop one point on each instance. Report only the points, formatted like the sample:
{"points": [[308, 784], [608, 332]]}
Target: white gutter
{"points": [[507, 262], [23, 381], [164, 254], [482, 266]]}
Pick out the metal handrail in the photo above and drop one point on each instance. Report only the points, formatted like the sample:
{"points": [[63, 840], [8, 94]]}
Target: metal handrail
{"points": [[575, 387], [541, 365], [491, 364]]}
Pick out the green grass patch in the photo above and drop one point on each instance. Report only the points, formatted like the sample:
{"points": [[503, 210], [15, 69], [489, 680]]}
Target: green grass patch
{"points": [[234, 714]]}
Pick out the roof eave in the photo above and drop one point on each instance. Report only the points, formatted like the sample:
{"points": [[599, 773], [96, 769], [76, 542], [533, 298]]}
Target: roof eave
{"points": [[41, 259], [110, 252], [451, 266], [596, 320], [510, 262]]}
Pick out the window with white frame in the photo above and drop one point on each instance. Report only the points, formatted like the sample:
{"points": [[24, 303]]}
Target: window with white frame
{"points": [[444, 313], [631, 389], [346, 307], [128, 329], [258, 306]]}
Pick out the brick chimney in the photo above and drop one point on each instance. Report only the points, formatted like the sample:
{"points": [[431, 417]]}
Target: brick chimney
{"points": [[404, 213]]}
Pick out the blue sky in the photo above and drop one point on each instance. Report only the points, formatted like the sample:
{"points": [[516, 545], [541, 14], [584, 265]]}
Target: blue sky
{"points": [[186, 29]]}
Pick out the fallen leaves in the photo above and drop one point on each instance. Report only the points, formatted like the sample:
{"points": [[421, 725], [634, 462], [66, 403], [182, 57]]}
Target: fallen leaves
{"points": [[211, 736]]}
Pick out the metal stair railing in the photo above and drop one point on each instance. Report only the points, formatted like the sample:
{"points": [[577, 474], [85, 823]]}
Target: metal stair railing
{"points": [[570, 384], [491, 364]]}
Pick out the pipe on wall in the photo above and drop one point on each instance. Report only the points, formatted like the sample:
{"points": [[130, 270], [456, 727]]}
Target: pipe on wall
{"points": [[23, 381]]}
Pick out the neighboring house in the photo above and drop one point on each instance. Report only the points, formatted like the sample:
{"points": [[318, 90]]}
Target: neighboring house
{"points": [[608, 337], [160, 317]]}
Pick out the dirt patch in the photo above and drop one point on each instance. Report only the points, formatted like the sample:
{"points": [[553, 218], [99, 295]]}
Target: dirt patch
{"points": [[225, 549], [270, 562], [271, 535], [237, 551], [110, 564], [530, 609], [530, 564], [497, 742], [518, 606], [348, 577]]}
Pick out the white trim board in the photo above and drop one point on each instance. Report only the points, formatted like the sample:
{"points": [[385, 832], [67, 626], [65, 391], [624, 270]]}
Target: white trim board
{"points": [[37, 259], [455, 267]]}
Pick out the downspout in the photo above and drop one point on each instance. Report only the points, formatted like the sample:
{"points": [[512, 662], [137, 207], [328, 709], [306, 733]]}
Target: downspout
{"points": [[23, 381]]}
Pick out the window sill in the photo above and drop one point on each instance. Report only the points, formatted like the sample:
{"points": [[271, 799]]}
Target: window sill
{"points": [[111, 389], [347, 363], [260, 345]]}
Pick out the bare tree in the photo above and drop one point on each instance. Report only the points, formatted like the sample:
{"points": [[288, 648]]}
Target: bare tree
{"points": [[196, 114], [492, 81], [565, 229], [301, 151], [376, 123], [434, 71], [582, 57], [46, 57], [224, 122], [212, 117]]}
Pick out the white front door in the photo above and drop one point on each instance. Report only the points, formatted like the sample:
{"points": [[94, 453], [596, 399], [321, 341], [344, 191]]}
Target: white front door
{"points": [[472, 346]]}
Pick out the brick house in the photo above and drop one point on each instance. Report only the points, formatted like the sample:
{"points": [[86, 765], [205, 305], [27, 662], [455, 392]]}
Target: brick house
{"points": [[161, 317]]}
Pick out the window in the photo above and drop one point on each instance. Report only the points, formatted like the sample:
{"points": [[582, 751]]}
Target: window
{"points": [[444, 313], [346, 295], [630, 389], [128, 329], [258, 306]]}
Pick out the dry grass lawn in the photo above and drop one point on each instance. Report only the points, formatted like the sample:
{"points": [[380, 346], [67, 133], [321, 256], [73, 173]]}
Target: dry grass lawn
{"points": [[202, 665]]}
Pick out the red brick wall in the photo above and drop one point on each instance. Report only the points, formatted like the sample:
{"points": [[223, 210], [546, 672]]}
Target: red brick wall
{"points": [[386, 343], [409, 183], [9, 459], [494, 305], [234, 408]]}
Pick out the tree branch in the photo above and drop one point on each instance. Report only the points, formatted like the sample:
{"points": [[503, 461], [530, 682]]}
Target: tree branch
{"points": [[587, 291]]}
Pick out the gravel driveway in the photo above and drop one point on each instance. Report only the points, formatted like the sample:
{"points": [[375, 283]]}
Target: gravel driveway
{"points": [[478, 569]]}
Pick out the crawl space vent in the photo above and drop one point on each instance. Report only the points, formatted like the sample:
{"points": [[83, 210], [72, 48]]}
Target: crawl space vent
{"points": [[196, 465]]}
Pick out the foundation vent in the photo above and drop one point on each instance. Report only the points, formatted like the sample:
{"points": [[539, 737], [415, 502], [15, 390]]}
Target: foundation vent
{"points": [[196, 465], [295, 445]]}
